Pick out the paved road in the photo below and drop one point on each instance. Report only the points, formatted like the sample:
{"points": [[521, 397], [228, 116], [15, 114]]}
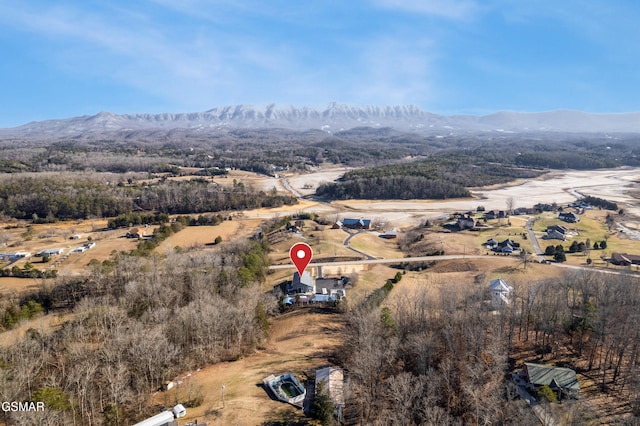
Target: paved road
{"points": [[395, 260], [534, 240], [449, 257], [348, 239]]}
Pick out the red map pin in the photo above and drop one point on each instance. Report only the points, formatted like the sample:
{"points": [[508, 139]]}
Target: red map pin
{"points": [[300, 254]]}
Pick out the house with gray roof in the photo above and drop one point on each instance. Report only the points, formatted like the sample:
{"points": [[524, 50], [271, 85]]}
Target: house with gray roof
{"points": [[561, 380], [299, 285], [556, 232]]}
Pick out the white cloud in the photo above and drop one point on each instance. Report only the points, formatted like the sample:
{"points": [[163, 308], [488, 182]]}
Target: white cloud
{"points": [[451, 9]]}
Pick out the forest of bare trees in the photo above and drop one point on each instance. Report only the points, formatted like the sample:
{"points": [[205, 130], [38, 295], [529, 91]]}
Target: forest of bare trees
{"points": [[440, 358], [141, 322]]}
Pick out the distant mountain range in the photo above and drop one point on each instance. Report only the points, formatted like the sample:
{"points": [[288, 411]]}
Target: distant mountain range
{"points": [[334, 118]]}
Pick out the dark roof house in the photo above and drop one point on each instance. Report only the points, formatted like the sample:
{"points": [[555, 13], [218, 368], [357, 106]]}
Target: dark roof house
{"points": [[506, 246], [569, 217], [299, 285], [465, 222], [559, 379], [625, 259], [356, 223]]}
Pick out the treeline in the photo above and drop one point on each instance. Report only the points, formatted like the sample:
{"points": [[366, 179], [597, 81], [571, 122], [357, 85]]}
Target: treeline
{"points": [[50, 198], [136, 323], [600, 202], [198, 196], [61, 198], [560, 159], [441, 357], [268, 151], [445, 176]]}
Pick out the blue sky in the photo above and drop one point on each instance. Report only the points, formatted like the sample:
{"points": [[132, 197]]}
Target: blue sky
{"points": [[67, 58]]}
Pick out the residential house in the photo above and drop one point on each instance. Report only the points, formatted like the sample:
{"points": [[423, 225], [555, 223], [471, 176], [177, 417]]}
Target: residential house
{"points": [[625, 259], [500, 291], [331, 380], [465, 222], [506, 246], [556, 232], [356, 223], [569, 217], [491, 243], [492, 214], [299, 285], [561, 380]]}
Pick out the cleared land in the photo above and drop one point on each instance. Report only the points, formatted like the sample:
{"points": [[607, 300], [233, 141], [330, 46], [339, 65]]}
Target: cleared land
{"points": [[299, 342]]}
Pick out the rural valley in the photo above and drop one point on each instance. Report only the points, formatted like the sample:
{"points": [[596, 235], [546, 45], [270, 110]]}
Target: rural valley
{"points": [[454, 270]]}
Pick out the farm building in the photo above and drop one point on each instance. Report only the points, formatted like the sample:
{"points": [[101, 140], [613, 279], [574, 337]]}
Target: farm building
{"points": [[21, 254], [389, 235], [50, 252]]}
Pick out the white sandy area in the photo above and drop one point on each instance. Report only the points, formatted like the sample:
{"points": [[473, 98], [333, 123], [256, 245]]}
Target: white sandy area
{"points": [[314, 178], [558, 186]]}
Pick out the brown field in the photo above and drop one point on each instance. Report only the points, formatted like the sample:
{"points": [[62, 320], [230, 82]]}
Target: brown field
{"points": [[199, 236], [299, 342], [371, 244], [9, 285], [45, 324]]}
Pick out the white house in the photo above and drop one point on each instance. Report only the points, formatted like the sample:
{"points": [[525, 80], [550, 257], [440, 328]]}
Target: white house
{"points": [[500, 291]]}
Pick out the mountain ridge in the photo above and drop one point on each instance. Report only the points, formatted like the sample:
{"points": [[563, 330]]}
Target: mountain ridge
{"points": [[335, 117]]}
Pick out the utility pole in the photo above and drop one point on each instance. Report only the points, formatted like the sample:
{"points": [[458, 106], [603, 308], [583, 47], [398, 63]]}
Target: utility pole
{"points": [[222, 390]]}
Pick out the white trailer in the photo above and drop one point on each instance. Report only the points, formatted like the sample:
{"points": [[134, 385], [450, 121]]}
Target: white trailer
{"points": [[164, 418], [161, 419]]}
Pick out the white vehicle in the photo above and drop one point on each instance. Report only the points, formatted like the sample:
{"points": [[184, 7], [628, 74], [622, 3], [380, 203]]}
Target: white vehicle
{"points": [[164, 418]]}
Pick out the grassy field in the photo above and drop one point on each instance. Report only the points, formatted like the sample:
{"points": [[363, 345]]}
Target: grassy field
{"points": [[375, 246], [299, 342]]}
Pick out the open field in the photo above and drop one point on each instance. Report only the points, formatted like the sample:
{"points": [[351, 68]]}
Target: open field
{"points": [[199, 236], [299, 342], [307, 183], [373, 245], [555, 186]]}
